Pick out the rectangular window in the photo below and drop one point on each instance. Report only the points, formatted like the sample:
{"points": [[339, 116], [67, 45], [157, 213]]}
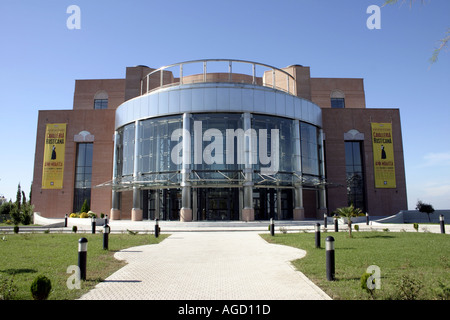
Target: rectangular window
{"points": [[101, 104], [355, 174], [83, 175], [338, 103]]}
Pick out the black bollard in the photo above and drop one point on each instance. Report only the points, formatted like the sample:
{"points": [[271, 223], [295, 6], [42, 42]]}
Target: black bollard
{"points": [[325, 222], [317, 228], [106, 219], [441, 221], [93, 224], [272, 227], [156, 228], [367, 218], [82, 255], [65, 221], [106, 231], [329, 246], [336, 227]]}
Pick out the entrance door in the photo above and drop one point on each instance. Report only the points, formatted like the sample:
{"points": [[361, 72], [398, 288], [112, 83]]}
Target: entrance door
{"points": [[163, 204], [218, 204]]}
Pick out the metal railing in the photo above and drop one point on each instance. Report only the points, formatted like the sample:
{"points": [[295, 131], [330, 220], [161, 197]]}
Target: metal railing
{"points": [[272, 77]]}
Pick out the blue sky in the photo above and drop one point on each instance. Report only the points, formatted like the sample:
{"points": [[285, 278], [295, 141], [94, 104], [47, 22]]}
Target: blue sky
{"points": [[40, 58]]}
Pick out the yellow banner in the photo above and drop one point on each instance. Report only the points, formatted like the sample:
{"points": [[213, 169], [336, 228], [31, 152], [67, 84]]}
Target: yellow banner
{"points": [[54, 151], [383, 155]]}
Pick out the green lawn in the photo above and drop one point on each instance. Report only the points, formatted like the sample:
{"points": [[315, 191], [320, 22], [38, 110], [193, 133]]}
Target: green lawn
{"points": [[412, 265], [25, 256]]}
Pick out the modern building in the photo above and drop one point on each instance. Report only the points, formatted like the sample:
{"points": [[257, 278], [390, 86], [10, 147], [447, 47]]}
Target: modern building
{"points": [[219, 139]]}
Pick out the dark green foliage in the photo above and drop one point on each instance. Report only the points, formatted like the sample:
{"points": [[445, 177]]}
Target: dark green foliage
{"points": [[85, 206], [425, 208], [40, 288]]}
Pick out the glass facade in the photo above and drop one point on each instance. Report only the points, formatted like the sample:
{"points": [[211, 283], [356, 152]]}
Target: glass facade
{"points": [[355, 174], [83, 175], [227, 152]]}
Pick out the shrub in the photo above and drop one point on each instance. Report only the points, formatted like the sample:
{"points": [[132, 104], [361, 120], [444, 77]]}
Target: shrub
{"points": [[74, 229], [40, 288], [16, 229], [364, 286], [356, 227], [92, 214], [84, 215], [416, 226], [74, 215], [85, 206]]}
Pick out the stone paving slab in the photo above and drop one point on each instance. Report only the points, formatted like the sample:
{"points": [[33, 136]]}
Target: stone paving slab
{"points": [[208, 266]]}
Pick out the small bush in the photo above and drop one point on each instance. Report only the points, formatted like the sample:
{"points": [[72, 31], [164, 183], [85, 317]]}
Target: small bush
{"points": [[40, 288], [85, 207], [74, 215], [16, 229], [416, 226], [356, 227], [74, 229], [364, 279], [84, 215]]}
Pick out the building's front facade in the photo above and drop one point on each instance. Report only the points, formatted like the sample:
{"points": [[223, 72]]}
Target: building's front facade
{"points": [[233, 140]]}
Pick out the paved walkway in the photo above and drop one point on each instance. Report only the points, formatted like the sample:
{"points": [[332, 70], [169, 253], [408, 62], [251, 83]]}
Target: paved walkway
{"points": [[208, 266]]}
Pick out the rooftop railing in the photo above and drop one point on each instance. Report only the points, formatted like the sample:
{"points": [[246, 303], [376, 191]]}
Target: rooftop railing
{"points": [[219, 70]]}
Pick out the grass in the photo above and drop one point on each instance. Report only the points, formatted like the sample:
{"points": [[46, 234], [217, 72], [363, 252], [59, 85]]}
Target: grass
{"points": [[25, 256], [413, 265]]}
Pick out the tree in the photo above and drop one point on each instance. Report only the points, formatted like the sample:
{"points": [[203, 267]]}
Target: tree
{"points": [[443, 43], [85, 206], [425, 208], [348, 213]]}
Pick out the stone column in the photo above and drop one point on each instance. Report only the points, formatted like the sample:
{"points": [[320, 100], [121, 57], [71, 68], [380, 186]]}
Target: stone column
{"points": [[136, 211], [115, 210], [186, 203], [322, 193], [248, 212], [299, 211]]}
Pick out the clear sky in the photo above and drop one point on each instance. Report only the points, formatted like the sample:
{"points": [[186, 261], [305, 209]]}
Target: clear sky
{"points": [[40, 59]]}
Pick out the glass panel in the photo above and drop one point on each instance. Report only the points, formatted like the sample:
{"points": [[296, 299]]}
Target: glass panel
{"points": [[83, 175], [310, 150], [337, 103], [354, 174]]}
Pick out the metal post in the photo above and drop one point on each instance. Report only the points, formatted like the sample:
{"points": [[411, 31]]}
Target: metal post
{"points": [[329, 247], [272, 227], [82, 255], [93, 224], [65, 221], [317, 228], [106, 219], [106, 231], [367, 218], [325, 222], [441, 221], [336, 227], [157, 228]]}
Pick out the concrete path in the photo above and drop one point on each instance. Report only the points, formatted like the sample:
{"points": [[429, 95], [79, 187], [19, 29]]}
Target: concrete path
{"points": [[208, 266]]}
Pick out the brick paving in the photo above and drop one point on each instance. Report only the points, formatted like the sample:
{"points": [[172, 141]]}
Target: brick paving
{"points": [[208, 266]]}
